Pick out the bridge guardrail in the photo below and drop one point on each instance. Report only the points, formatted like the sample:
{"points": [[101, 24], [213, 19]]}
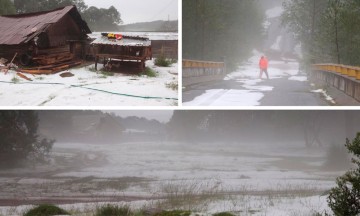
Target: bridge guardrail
{"points": [[202, 71], [350, 71], [343, 77]]}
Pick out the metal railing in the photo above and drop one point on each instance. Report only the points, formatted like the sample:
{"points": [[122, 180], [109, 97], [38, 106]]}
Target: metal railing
{"points": [[350, 71], [202, 64], [202, 71]]}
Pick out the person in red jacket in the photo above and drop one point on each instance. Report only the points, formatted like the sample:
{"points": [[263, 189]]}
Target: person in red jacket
{"points": [[263, 64]]}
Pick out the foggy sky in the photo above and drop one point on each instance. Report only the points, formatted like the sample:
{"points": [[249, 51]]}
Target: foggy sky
{"points": [[160, 115], [140, 10]]}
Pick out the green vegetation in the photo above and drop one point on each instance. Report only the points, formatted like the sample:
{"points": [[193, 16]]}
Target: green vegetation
{"points": [[107, 73], [46, 210], [344, 199], [223, 214], [162, 61], [110, 210], [15, 80], [6, 7], [149, 72], [172, 85], [214, 29], [327, 29], [20, 140], [174, 213]]}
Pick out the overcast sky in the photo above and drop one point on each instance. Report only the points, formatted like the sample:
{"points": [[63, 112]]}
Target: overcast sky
{"points": [[133, 11], [160, 115]]}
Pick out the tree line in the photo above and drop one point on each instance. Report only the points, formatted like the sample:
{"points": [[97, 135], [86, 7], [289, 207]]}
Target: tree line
{"points": [[98, 19], [214, 30], [328, 30], [312, 128]]}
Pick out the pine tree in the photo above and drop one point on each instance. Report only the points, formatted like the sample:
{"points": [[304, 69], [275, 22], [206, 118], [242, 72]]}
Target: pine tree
{"points": [[19, 139], [345, 198]]}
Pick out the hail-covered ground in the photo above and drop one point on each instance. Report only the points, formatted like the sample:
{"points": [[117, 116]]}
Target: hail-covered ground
{"points": [[280, 179], [91, 88]]}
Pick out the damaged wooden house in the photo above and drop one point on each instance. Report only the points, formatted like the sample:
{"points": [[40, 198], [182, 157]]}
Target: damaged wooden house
{"points": [[44, 42], [119, 52]]}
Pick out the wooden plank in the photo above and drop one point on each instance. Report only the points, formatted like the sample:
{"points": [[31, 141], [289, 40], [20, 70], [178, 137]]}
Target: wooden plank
{"points": [[23, 76]]}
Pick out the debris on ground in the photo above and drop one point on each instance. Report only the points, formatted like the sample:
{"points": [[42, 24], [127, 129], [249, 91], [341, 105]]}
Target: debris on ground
{"points": [[6, 68], [23, 76], [67, 74]]}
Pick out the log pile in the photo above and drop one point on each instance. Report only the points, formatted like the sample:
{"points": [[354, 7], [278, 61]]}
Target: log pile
{"points": [[52, 63]]}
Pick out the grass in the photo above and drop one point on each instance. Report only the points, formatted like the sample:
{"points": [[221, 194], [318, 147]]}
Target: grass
{"points": [[174, 213], [110, 210], [107, 73], [149, 72], [223, 214], [172, 85], [15, 80], [162, 61], [46, 210], [190, 194]]}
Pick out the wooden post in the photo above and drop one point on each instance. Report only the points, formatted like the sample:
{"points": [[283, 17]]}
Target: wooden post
{"points": [[96, 61]]}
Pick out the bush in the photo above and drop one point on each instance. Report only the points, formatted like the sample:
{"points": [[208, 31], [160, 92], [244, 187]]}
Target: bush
{"points": [[223, 214], [345, 198], [46, 210], [174, 213], [149, 72], [163, 62], [110, 210]]}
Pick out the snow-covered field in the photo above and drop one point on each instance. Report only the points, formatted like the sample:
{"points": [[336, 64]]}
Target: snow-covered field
{"points": [[89, 88], [247, 76], [281, 179]]}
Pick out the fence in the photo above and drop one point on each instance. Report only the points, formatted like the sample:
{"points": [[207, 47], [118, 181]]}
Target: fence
{"points": [[343, 77], [202, 71]]}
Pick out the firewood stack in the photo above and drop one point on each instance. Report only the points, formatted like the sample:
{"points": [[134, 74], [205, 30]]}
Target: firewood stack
{"points": [[52, 63]]}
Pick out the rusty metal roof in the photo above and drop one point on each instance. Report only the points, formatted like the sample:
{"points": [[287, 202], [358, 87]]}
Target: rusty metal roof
{"points": [[21, 28], [103, 40]]}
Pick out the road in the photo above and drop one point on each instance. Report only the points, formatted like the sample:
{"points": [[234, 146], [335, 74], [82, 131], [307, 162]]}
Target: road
{"points": [[286, 87]]}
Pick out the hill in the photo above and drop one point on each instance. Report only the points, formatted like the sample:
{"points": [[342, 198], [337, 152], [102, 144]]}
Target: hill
{"points": [[159, 25]]}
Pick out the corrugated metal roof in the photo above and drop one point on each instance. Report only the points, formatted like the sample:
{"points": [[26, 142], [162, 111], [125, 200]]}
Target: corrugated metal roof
{"points": [[123, 42], [21, 28]]}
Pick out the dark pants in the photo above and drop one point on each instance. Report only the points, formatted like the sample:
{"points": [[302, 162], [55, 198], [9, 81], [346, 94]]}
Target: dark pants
{"points": [[264, 71]]}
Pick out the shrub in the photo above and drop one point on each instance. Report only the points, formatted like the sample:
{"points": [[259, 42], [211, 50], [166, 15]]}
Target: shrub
{"points": [[161, 61], [344, 199], [110, 210], [223, 214], [149, 72], [46, 210], [174, 213]]}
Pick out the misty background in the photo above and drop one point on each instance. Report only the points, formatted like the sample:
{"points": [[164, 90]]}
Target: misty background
{"points": [[308, 31], [309, 128]]}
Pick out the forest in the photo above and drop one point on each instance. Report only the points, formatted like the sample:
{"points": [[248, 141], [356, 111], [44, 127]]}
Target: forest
{"points": [[216, 30], [328, 30], [98, 19]]}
